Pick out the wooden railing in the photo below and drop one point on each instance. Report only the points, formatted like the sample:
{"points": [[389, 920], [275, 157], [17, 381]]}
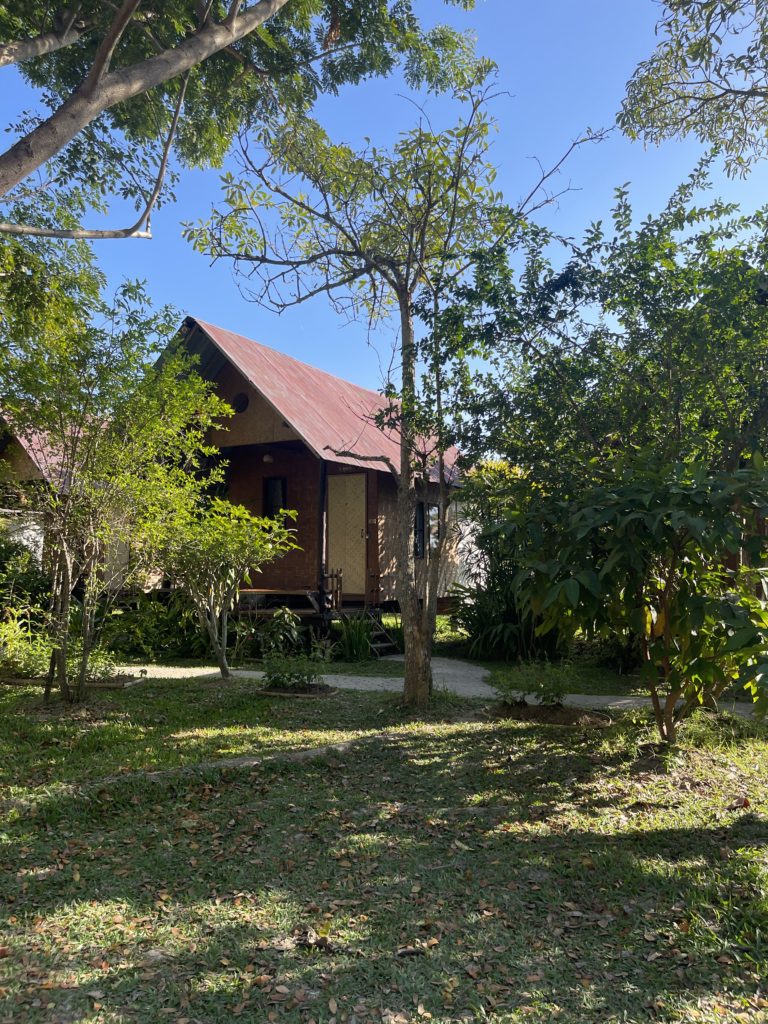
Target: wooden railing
{"points": [[332, 589]]}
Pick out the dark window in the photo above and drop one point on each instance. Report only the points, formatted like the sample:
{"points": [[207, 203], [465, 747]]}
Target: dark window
{"points": [[240, 402], [433, 525], [419, 530], [426, 528], [274, 495]]}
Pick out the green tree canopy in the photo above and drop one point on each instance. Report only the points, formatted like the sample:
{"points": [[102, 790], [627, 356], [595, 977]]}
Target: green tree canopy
{"points": [[210, 549], [119, 437], [649, 336], [114, 77], [708, 77], [631, 401]]}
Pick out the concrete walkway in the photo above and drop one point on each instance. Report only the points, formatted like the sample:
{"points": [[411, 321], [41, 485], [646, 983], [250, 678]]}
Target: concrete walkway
{"points": [[448, 673], [451, 674]]}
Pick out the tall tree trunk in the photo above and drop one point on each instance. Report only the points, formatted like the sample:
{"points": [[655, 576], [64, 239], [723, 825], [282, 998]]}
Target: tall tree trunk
{"points": [[87, 635], [417, 688], [435, 552], [49, 677], [54, 607]]}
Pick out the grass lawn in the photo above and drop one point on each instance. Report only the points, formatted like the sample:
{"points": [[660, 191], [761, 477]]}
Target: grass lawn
{"points": [[571, 677], [440, 868]]}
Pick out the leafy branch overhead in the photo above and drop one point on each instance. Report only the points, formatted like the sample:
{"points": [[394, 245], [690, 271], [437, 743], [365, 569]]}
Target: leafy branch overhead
{"points": [[112, 78], [708, 77]]}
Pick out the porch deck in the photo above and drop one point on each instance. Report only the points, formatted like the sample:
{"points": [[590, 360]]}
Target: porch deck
{"points": [[310, 601]]}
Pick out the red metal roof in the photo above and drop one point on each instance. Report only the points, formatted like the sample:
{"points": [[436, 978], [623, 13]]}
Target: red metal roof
{"points": [[40, 451], [330, 415]]}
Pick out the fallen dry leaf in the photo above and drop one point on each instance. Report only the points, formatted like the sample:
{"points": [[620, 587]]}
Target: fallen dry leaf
{"points": [[738, 803]]}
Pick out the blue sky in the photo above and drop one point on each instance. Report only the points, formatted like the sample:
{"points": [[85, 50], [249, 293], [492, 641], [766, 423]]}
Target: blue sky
{"points": [[564, 65]]}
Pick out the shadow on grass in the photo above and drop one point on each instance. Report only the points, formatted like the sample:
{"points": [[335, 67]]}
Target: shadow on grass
{"points": [[171, 723], [483, 869]]}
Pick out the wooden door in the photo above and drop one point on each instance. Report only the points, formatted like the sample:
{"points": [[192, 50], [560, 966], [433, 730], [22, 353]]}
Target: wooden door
{"points": [[347, 531]]}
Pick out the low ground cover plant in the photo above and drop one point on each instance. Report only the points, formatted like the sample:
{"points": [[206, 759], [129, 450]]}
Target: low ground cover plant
{"points": [[153, 626], [24, 651], [354, 634], [544, 682], [297, 672]]}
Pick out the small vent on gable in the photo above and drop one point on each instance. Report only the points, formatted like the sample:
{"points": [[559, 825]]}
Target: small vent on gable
{"points": [[240, 402]]}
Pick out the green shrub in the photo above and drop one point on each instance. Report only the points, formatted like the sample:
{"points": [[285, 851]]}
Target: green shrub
{"points": [[281, 634], [547, 683], [321, 648], [24, 651], [101, 662], [161, 624], [282, 672], [355, 633], [495, 624], [22, 580]]}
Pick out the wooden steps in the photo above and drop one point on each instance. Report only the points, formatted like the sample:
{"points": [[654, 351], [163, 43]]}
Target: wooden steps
{"points": [[381, 642]]}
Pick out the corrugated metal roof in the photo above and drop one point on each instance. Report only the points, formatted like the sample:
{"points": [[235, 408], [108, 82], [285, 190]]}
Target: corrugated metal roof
{"points": [[331, 415], [40, 451]]}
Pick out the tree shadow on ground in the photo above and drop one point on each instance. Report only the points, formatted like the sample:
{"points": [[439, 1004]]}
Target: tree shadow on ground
{"points": [[177, 723], [489, 869]]}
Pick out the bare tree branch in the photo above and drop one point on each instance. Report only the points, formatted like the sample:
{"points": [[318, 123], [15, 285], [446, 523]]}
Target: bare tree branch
{"points": [[344, 454], [108, 46], [524, 206]]}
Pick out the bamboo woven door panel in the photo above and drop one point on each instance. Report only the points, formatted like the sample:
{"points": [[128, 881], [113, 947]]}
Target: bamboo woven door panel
{"points": [[346, 530]]}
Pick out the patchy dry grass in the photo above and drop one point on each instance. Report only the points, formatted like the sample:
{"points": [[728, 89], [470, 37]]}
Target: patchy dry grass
{"points": [[440, 869]]}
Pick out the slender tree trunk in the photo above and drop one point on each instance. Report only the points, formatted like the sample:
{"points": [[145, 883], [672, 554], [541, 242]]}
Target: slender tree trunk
{"points": [[435, 553], [60, 622], [417, 687], [54, 607], [670, 722], [212, 623], [87, 637], [49, 676]]}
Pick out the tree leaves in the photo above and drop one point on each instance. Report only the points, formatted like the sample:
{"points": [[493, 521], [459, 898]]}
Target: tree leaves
{"points": [[706, 77]]}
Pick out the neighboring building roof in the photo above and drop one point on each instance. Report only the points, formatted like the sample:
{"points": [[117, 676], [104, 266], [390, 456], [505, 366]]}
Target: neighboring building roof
{"points": [[37, 448], [329, 414]]}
